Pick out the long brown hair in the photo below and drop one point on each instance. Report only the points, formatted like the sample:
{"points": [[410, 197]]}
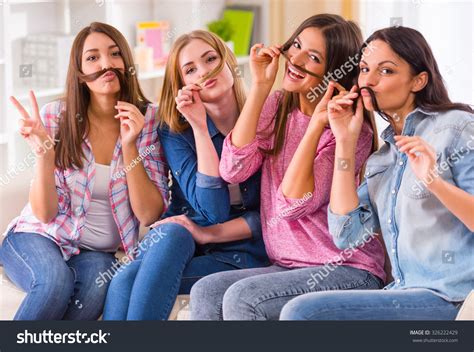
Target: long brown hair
{"points": [[74, 123], [412, 47], [173, 80], [343, 40]]}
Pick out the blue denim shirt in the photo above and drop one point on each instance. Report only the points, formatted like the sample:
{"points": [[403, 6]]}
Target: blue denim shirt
{"points": [[205, 199], [428, 246]]}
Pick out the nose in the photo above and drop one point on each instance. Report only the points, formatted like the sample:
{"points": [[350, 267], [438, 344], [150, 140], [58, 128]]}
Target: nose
{"points": [[370, 79], [297, 59], [106, 62]]}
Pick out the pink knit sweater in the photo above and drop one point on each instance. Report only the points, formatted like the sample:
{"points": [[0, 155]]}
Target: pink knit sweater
{"points": [[295, 231]]}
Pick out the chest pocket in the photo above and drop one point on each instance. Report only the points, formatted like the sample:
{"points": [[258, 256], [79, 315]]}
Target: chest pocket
{"points": [[415, 188], [375, 175]]}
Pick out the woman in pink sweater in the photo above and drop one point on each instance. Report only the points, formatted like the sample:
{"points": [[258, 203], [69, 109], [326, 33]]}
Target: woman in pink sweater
{"points": [[287, 135]]}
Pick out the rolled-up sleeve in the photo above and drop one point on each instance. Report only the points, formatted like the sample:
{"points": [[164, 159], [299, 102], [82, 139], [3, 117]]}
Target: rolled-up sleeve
{"points": [[253, 220], [352, 229]]}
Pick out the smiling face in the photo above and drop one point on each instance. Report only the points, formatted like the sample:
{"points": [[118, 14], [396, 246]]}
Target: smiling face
{"points": [[308, 51], [196, 60], [100, 52], [390, 77]]}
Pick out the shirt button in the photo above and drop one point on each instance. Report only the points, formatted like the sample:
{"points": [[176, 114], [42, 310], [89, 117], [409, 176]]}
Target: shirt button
{"points": [[393, 250], [115, 210], [393, 191], [77, 211], [245, 189], [398, 281], [400, 163], [389, 221], [367, 173]]}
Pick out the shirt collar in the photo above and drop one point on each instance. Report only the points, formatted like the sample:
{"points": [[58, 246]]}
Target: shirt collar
{"points": [[388, 133]]}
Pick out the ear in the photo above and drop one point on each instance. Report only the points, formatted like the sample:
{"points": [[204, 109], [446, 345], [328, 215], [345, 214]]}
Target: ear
{"points": [[419, 81]]}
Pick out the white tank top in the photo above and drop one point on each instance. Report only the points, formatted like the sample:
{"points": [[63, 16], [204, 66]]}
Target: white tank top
{"points": [[100, 233]]}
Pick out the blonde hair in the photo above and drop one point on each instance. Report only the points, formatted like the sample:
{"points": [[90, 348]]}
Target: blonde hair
{"points": [[173, 80]]}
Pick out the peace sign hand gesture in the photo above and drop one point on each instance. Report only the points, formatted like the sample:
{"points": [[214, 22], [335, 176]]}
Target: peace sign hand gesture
{"points": [[32, 128]]}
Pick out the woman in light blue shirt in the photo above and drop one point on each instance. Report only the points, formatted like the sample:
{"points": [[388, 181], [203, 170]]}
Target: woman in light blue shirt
{"points": [[418, 191]]}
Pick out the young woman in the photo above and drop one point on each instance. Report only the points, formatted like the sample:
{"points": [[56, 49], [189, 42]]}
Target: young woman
{"points": [[418, 190], [82, 205], [287, 136], [211, 226]]}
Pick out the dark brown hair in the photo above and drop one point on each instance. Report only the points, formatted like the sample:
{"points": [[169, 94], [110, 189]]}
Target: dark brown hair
{"points": [[343, 40], [412, 47], [74, 123]]}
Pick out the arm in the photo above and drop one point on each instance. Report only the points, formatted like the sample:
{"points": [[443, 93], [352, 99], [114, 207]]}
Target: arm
{"points": [[264, 67], [145, 198], [43, 196], [242, 228], [458, 198], [208, 195], [299, 177]]}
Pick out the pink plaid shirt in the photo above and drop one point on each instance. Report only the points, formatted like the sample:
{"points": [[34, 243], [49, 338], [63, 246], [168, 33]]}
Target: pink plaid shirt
{"points": [[75, 186]]}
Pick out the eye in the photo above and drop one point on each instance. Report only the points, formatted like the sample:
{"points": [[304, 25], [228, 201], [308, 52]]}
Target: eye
{"points": [[190, 70], [117, 53], [211, 58], [386, 71], [91, 58], [364, 70], [296, 45], [315, 58]]}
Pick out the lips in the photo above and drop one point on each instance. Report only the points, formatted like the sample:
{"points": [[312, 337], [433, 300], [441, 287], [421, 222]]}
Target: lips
{"points": [[294, 73], [210, 83], [109, 76]]}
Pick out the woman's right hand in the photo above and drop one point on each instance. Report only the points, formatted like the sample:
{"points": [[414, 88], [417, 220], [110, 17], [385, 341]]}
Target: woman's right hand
{"points": [[345, 124], [32, 128], [264, 64], [189, 104]]}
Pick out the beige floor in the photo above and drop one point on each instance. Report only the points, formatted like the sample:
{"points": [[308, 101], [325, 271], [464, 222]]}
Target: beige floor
{"points": [[10, 297]]}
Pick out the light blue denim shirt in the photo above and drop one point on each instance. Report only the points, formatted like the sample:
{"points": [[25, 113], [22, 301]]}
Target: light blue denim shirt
{"points": [[428, 246]]}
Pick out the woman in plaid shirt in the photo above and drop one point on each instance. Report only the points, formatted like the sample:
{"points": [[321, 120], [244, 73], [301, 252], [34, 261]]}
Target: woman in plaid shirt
{"points": [[99, 173]]}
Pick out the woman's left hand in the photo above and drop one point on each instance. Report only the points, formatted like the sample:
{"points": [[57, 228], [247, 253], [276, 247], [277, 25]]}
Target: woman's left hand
{"points": [[421, 156], [198, 232], [131, 122]]}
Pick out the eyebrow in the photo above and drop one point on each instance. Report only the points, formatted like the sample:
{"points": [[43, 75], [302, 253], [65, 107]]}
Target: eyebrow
{"points": [[314, 50], [190, 62], [381, 63], [110, 47]]}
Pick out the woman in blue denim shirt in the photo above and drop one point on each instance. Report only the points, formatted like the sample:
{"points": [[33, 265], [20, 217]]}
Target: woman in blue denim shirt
{"points": [[418, 190], [210, 226]]}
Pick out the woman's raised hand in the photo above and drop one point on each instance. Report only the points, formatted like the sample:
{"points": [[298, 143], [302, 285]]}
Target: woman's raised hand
{"points": [[189, 104], [264, 64], [345, 124], [32, 128]]}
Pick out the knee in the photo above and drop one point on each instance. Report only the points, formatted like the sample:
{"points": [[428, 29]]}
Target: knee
{"points": [[295, 309], [237, 302], [206, 299], [170, 236]]}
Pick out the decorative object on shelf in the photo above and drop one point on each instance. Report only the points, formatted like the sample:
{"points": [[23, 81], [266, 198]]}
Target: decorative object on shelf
{"points": [[45, 59], [242, 23], [223, 28], [154, 35]]}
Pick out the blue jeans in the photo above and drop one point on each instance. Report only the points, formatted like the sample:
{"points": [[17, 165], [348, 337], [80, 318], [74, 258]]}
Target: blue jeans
{"points": [[260, 294], [55, 289], [409, 304], [146, 288]]}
